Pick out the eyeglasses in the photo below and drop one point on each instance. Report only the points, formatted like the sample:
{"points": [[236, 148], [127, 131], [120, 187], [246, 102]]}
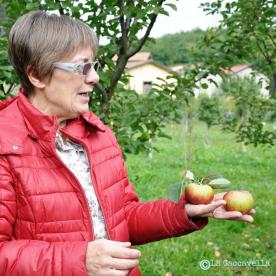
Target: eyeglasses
{"points": [[82, 69]]}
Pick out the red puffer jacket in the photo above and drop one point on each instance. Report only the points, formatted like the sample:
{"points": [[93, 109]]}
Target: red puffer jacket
{"points": [[44, 218]]}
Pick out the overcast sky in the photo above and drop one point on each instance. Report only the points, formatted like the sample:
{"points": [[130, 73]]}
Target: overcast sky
{"points": [[187, 17]]}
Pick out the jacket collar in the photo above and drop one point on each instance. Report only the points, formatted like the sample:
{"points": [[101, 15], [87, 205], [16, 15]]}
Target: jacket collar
{"points": [[44, 127]]}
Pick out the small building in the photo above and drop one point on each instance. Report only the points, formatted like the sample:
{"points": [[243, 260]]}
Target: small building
{"points": [[246, 70], [239, 70], [177, 68], [144, 72]]}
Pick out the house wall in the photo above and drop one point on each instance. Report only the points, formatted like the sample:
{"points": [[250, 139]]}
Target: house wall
{"points": [[264, 81], [212, 88], [145, 73]]}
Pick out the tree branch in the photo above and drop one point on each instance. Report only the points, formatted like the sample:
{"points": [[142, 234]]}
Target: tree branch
{"points": [[264, 53], [147, 33], [2, 88], [124, 42], [10, 88], [123, 54], [103, 92], [120, 66], [61, 10], [272, 40]]}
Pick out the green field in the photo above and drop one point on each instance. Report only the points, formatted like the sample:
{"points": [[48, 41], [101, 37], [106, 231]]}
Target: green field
{"points": [[249, 168]]}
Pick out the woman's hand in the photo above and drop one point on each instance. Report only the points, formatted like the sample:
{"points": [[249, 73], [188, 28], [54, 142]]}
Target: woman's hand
{"points": [[106, 257], [216, 209]]}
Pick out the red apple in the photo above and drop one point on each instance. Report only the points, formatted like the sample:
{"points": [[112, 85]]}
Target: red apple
{"points": [[199, 194], [241, 201]]}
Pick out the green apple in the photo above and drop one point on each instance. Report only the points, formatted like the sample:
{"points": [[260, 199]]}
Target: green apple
{"points": [[198, 194], [241, 201]]}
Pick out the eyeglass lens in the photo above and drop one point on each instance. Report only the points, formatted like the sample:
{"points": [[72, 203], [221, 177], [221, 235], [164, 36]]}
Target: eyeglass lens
{"points": [[87, 67]]}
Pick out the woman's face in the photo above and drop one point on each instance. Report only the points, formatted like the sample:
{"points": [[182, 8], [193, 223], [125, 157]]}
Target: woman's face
{"points": [[66, 95]]}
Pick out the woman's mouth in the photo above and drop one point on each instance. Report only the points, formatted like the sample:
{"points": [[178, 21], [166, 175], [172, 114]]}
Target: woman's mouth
{"points": [[85, 94]]}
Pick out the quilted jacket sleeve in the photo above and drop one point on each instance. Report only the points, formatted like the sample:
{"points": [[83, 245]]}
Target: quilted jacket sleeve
{"points": [[32, 257], [156, 220]]}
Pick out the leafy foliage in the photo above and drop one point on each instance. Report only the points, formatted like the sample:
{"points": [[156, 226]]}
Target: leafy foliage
{"points": [[6, 71], [209, 110], [116, 21], [135, 119], [176, 48], [251, 112], [246, 33]]}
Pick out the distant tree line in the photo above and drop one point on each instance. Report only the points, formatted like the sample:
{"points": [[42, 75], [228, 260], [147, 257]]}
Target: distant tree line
{"points": [[178, 48]]}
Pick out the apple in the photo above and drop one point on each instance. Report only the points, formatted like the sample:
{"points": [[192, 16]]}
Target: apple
{"points": [[241, 201], [199, 194]]}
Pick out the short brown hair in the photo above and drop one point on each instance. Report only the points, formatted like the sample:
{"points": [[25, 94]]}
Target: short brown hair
{"points": [[39, 39]]}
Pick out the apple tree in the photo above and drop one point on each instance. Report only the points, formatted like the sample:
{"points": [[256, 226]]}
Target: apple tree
{"points": [[209, 112], [246, 34], [251, 112], [125, 27]]}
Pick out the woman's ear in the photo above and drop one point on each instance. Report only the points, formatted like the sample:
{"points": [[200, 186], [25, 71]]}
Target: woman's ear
{"points": [[34, 78]]}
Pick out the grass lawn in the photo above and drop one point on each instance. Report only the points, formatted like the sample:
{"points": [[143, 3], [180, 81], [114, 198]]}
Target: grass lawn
{"points": [[253, 169]]}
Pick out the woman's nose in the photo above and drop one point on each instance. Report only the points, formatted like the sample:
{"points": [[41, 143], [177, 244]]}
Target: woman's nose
{"points": [[92, 76]]}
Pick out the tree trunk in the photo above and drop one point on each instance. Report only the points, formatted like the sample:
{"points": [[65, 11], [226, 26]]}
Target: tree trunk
{"points": [[273, 86], [207, 136]]}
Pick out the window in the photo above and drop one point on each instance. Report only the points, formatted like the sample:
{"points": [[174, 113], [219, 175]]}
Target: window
{"points": [[147, 86]]}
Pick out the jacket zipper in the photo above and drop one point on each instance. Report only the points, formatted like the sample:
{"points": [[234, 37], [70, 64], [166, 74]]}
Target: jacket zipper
{"points": [[93, 183]]}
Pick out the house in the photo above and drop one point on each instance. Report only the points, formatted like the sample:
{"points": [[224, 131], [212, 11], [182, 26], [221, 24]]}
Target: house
{"points": [[177, 68], [239, 70], [144, 72], [246, 70], [213, 82]]}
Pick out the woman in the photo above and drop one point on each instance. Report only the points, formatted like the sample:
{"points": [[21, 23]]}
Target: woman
{"points": [[66, 205]]}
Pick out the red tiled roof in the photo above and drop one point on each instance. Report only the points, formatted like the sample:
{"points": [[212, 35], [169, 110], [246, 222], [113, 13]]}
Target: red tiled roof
{"points": [[235, 69], [131, 65], [141, 56], [138, 57]]}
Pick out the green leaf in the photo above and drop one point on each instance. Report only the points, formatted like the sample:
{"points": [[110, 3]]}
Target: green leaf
{"points": [[219, 183], [32, 6], [211, 176], [173, 6], [174, 192], [204, 85]]}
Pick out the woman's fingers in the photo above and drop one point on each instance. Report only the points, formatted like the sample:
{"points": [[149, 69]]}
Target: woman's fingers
{"points": [[105, 257], [209, 208], [246, 218], [123, 252], [122, 264], [202, 210], [221, 213], [252, 212], [240, 217], [219, 196], [114, 272]]}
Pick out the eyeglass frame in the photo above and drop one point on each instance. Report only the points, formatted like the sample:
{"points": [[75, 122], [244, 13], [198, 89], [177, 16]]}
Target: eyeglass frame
{"points": [[77, 68]]}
